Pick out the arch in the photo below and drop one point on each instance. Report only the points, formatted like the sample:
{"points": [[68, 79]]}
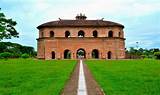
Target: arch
{"points": [[110, 34], [51, 34], [42, 34], [95, 34], [119, 34], [95, 53], [109, 54], [67, 54], [53, 55], [67, 34], [81, 53], [81, 33]]}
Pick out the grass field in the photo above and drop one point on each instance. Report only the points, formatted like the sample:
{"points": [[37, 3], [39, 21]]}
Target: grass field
{"points": [[127, 77], [34, 77]]}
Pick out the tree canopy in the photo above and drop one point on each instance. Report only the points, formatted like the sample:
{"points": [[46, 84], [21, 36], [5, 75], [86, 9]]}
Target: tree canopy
{"points": [[7, 29], [146, 53], [16, 49]]}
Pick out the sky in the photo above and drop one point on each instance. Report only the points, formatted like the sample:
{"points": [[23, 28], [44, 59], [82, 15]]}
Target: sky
{"points": [[141, 18]]}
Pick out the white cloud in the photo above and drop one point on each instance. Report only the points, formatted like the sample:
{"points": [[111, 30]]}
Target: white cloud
{"points": [[30, 13]]}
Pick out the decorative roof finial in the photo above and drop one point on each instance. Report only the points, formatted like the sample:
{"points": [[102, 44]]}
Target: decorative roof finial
{"points": [[59, 19], [81, 17], [102, 18]]}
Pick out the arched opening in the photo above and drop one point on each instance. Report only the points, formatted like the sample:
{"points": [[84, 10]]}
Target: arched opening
{"points": [[81, 53], [67, 34], [42, 34], [81, 33], [110, 34], [119, 34], [67, 54], [109, 55], [51, 34], [53, 55], [95, 54], [95, 34]]}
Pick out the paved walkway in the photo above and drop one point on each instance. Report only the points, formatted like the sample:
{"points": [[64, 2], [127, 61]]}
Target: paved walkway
{"points": [[81, 82]]}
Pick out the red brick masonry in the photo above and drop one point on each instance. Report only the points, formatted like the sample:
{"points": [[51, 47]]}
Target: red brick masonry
{"points": [[53, 42]]}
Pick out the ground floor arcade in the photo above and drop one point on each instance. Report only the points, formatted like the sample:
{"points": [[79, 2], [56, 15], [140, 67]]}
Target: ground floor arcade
{"points": [[87, 48], [81, 53]]}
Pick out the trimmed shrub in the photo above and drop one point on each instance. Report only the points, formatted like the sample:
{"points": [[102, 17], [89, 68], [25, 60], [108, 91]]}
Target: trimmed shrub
{"points": [[157, 54], [24, 56], [6, 55]]}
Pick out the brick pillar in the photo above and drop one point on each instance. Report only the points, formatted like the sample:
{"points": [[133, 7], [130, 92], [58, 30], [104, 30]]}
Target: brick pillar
{"points": [[101, 55], [72, 55], [89, 55], [61, 55]]}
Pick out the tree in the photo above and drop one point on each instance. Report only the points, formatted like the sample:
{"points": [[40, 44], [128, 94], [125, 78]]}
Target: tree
{"points": [[7, 29], [157, 54], [16, 49], [25, 56], [5, 55]]}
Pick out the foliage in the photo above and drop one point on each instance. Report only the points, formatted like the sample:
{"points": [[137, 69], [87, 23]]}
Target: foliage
{"points": [[5, 55], [157, 54], [34, 77], [127, 77], [16, 49], [7, 29], [144, 53], [25, 56]]}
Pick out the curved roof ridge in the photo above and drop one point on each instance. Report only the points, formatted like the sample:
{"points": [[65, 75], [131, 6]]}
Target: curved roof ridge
{"points": [[80, 23]]}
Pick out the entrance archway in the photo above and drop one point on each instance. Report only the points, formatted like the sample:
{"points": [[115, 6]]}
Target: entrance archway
{"points": [[95, 53], [67, 54], [53, 55], [81, 53], [109, 55]]}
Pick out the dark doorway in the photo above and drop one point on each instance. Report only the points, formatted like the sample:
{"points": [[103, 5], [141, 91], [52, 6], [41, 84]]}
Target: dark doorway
{"points": [[109, 55], [53, 55], [110, 34], [95, 54], [67, 54], [81, 33], [81, 53], [67, 34], [95, 34]]}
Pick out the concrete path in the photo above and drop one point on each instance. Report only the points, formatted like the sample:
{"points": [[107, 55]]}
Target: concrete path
{"points": [[81, 82]]}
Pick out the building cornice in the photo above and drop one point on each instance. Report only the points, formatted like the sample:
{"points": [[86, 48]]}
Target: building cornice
{"points": [[72, 38]]}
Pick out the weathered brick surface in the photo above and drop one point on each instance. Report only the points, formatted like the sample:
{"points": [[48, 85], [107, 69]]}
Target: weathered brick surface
{"points": [[102, 43]]}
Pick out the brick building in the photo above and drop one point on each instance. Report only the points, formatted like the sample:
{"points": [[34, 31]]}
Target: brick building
{"points": [[81, 38]]}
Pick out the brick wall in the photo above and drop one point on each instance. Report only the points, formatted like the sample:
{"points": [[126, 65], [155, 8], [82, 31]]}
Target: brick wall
{"points": [[46, 44]]}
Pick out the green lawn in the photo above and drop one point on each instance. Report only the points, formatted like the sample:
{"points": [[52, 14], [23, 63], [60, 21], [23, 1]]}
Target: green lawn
{"points": [[127, 77], [34, 77]]}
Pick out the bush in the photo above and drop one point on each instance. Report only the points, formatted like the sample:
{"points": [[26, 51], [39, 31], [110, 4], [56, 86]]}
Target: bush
{"points": [[6, 55], [143, 56], [157, 54], [16, 55], [25, 56]]}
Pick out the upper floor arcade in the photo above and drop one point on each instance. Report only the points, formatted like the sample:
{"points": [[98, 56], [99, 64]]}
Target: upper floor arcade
{"points": [[81, 27], [81, 32]]}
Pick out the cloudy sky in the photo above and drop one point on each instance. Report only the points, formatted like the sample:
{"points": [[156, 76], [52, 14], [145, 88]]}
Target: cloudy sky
{"points": [[141, 18]]}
